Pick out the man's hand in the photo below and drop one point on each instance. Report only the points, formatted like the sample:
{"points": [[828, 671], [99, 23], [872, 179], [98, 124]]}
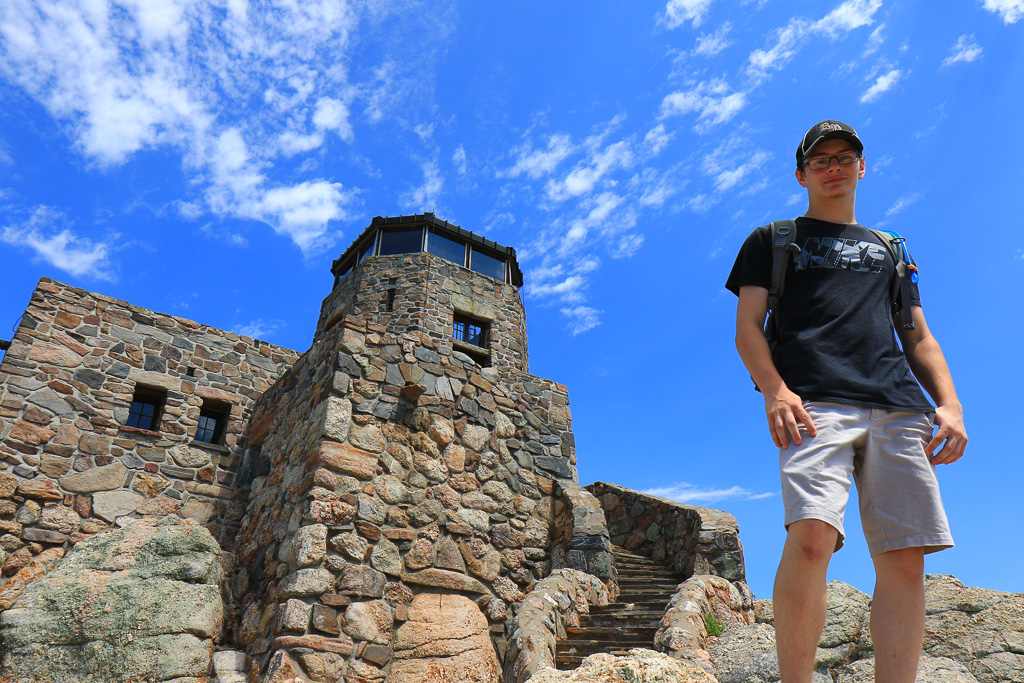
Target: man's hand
{"points": [[785, 410], [950, 422]]}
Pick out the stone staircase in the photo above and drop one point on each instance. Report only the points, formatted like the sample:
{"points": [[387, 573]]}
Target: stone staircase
{"points": [[646, 587]]}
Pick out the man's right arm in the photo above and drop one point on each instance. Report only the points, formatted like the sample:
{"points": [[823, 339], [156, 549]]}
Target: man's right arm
{"points": [[783, 408]]}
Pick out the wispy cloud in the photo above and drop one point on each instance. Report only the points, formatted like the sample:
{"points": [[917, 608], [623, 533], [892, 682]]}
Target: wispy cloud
{"points": [[181, 76], [901, 203], [965, 50], [259, 328], [848, 16], [586, 175], [875, 41], [539, 163], [882, 84], [678, 12], [425, 197], [732, 161], [459, 160], [582, 318], [710, 44], [43, 234], [1010, 10], [711, 100], [692, 494]]}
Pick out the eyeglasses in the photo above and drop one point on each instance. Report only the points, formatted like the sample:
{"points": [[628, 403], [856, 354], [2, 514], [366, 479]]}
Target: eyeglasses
{"points": [[821, 163]]}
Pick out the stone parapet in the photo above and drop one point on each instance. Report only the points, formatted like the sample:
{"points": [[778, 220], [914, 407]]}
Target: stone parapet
{"points": [[554, 604], [579, 537], [690, 539], [683, 632]]}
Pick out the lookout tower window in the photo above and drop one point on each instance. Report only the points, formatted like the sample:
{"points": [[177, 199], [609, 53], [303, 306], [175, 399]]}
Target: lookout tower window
{"points": [[147, 405], [213, 418], [400, 242], [446, 248], [487, 265]]}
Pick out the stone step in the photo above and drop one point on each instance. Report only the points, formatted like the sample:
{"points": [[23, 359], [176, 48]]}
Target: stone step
{"points": [[612, 633]]}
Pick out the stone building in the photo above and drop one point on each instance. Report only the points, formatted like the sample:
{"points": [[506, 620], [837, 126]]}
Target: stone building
{"points": [[382, 503]]}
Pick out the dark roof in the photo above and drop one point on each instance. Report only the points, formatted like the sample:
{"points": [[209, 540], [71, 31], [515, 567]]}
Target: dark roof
{"points": [[441, 226]]}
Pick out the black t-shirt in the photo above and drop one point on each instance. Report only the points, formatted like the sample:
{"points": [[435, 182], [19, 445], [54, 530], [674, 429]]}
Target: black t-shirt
{"points": [[836, 340]]}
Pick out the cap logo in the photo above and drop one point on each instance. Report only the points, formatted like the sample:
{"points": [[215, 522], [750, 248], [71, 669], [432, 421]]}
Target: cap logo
{"points": [[829, 127]]}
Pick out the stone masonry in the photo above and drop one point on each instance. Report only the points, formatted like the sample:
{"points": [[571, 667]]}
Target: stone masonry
{"points": [[382, 503]]}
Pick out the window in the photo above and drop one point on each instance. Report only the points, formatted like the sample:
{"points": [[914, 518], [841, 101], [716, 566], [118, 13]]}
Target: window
{"points": [[468, 330], [389, 304], [446, 248], [401, 242], [213, 417], [487, 265], [147, 405]]}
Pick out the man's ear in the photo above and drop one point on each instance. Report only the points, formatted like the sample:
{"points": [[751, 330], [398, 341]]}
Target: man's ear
{"points": [[802, 179], [863, 167]]}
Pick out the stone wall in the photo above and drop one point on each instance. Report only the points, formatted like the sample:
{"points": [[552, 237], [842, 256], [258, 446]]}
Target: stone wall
{"points": [[579, 538], [396, 468], [428, 290], [692, 540], [69, 466]]}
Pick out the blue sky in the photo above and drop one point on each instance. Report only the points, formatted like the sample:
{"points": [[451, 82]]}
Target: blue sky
{"points": [[210, 159]]}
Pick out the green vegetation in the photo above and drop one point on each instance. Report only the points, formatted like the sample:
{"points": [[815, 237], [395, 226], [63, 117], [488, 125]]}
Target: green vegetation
{"points": [[714, 628]]}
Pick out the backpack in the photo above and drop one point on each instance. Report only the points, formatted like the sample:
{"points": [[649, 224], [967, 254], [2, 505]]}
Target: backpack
{"points": [[783, 234]]}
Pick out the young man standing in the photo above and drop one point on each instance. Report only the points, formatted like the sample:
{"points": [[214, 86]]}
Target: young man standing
{"points": [[841, 399]]}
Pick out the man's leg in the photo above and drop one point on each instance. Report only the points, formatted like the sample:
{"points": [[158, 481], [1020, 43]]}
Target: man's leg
{"points": [[897, 614], [800, 600]]}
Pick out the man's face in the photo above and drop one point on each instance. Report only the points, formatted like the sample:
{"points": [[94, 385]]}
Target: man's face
{"points": [[836, 180]]}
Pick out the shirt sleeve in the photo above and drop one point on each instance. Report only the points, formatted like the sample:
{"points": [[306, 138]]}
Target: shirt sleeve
{"points": [[753, 264]]}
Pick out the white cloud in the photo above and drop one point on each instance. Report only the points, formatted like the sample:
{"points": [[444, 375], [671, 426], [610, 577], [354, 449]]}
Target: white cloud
{"points": [[301, 211], [1010, 10], [425, 197], [848, 16], [459, 159], [691, 494], [678, 12], [584, 178], [710, 44], [538, 163], [231, 90], [568, 289], [60, 247], [627, 245], [582, 318], [733, 161], [965, 50], [882, 84], [710, 99], [901, 203], [657, 138], [259, 328], [875, 41]]}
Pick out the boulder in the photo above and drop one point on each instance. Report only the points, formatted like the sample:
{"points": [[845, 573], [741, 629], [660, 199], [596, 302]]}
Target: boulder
{"points": [[138, 603], [637, 666], [445, 638]]}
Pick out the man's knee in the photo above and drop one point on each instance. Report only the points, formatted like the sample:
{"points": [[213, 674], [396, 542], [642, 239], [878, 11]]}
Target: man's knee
{"points": [[812, 539], [906, 565]]}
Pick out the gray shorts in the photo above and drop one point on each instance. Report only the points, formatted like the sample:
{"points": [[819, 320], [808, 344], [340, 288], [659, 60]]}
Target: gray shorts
{"points": [[900, 505]]}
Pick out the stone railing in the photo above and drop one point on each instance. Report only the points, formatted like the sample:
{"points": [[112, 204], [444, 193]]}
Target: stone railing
{"points": [[554, 604], [683, 631], [691, 540], [579, 534]]}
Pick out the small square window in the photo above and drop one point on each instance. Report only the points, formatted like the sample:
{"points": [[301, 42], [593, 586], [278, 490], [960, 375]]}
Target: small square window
{"points": [[470, 331], [146, 408], [213, 418]]}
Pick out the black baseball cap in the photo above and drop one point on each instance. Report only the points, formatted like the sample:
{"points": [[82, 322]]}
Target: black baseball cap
{"points": [[826, 130]]}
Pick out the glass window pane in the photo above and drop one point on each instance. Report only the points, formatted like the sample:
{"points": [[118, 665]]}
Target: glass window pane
{"points": [[207, 429], [401, 242], [474, 335], [459, 330], [488, 265], [446, 248], [367, 251]]}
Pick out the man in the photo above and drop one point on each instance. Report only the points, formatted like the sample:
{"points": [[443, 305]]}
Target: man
{"points": [[841, 400]]}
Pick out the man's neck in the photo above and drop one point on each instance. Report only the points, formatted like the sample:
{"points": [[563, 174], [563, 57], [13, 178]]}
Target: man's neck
{"points": [[832, 212]]}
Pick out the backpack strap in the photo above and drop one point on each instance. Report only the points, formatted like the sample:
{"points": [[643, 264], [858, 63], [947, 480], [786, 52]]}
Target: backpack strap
{"points": [[905, 274], [783, 234]]}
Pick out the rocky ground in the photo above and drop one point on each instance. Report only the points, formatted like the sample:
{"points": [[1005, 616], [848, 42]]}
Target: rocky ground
{"points": [[972, 635]]}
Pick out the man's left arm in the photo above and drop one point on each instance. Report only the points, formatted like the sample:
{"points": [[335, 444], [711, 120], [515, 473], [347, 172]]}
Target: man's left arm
{"points": [[929, 367]]}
